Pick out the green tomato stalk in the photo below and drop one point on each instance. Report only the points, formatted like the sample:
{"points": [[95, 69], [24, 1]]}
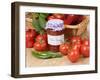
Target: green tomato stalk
{"points": [[39, 22]]}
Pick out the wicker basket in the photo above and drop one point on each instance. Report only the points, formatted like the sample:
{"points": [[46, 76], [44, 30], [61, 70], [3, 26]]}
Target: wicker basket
{"points": [[72, 30], [79, 28]]}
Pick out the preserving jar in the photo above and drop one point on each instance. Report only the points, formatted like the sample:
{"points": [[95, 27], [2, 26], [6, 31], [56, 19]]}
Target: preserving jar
{"points": [[55, 34]]}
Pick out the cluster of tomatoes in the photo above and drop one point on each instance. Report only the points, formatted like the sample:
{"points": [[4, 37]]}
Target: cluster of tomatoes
{"points": [[68, 19], [38, 41], [75, 48]]}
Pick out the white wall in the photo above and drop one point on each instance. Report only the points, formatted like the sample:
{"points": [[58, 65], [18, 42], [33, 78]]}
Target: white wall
{"points": [[5, 41]]}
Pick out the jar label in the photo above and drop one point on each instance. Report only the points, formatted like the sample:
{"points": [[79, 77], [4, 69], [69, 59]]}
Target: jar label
{"points": [[55, 40]]}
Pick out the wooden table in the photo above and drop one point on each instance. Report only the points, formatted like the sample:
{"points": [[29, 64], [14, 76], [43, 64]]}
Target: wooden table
{"points": [[32, 61]]}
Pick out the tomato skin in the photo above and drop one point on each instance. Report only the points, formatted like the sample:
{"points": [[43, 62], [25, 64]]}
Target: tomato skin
{"points": [[40, 46], [64, 48], [86, 42], [72, 19], [73, 55], [85, 50], [58, 16], [41, 42], [29, 44], [77, 19], [76, 39], [30, 34], [69, 19], [42, 37], [51, 17], [76, 46], [76, 42]]}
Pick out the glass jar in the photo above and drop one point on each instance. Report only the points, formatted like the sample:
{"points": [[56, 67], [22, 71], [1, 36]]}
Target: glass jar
{"points": [[55, 34]]}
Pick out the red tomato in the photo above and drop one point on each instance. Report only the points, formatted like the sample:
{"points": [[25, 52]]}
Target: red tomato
{"points": [[58, 16], [69, 19], [29, 44], [85, 50], [76, 39], [81, 17], [50, 17], [76, 46], [40, 46], [30, 34], [86, 42], [73, 55], [42, 37], [64, 48], [77, 19]]}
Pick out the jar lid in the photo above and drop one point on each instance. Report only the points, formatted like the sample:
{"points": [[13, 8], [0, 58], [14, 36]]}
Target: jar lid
{"points": [[55, 24]]}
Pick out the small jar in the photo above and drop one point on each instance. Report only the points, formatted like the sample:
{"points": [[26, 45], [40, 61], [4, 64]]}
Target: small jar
{"points": [[55, 34]]}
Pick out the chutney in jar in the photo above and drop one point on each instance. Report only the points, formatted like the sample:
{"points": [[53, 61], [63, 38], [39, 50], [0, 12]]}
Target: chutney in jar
{"points": [[55, 34]]}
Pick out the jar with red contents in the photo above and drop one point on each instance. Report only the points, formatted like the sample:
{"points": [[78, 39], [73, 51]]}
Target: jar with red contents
{"points": [[55, 34]]}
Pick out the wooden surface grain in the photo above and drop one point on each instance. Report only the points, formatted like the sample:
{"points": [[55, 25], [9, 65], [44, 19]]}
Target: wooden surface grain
{"points": [[32, 61]]}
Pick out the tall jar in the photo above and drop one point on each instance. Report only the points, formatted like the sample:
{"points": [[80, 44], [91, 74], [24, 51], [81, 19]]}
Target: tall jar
{"points": [[55, 34]]}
